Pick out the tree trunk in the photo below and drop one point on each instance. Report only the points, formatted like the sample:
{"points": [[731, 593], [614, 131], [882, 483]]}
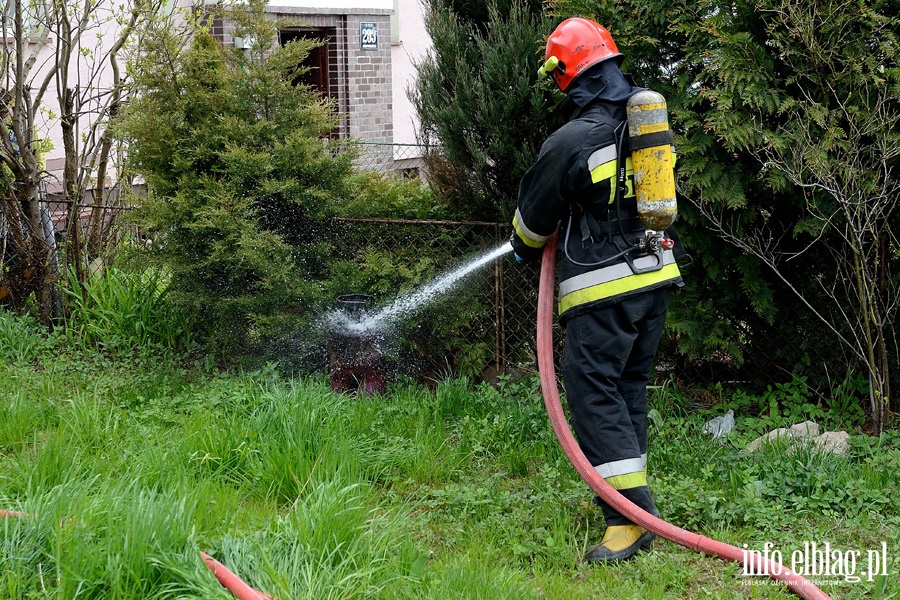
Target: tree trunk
{"points": [[38, 277], [70, 185]]}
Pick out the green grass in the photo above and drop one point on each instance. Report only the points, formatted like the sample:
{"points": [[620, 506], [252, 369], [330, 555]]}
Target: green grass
{"points": [[134, 462], [125, 310]]}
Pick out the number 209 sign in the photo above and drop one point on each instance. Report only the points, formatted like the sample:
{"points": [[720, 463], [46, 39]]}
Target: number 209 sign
{"points": [[368, 36]]}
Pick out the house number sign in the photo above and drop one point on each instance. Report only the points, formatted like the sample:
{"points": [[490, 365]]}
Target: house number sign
{"points": [[368, 36]]}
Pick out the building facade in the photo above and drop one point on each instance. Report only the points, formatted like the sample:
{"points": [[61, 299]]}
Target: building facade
{"points": [[366, 66]]}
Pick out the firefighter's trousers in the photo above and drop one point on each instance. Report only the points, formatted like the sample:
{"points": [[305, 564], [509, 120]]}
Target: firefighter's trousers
{"points": [[606, 365]]}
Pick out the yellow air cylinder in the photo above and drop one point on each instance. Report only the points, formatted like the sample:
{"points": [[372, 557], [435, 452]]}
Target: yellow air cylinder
{"points": [[652, 159]]}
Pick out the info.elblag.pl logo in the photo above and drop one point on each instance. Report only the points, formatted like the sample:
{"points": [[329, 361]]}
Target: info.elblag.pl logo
{"points": [[818, 561]]}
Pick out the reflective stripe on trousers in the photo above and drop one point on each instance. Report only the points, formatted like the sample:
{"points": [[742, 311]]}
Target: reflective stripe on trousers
{"points": [[624, 474]]}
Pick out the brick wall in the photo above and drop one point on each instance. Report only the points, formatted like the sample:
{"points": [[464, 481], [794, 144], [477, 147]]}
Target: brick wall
{"points": [[369, 81], [361, 79]]}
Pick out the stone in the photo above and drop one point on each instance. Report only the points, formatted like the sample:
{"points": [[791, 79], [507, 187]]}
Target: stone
{"points": [[775, 434], [806, 432], [833, 441], [807, 429]]}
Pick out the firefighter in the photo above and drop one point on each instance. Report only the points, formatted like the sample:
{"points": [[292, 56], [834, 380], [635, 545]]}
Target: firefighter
{"points": [[615, 274]]}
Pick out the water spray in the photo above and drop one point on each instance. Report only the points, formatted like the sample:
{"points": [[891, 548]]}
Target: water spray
{"points": [[359, 334], [406, 305], [356, 355]]}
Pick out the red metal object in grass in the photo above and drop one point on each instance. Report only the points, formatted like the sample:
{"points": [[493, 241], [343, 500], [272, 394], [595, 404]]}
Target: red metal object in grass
{"points": [[355, 357], [231, 582], [754, 562]]}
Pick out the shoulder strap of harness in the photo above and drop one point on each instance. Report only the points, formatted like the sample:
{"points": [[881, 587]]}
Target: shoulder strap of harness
{"points": [[593, 228]]}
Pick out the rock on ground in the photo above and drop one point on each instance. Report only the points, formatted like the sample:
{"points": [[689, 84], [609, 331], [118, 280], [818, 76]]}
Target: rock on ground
{"points": [[829, 441]]}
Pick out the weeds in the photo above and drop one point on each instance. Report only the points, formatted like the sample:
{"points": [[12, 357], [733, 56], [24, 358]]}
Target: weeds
{"points": [[131, 466], [23, 339], [126, 311]]}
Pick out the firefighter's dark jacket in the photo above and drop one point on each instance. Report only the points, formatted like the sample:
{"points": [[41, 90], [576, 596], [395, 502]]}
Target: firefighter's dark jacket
{"points": [[574, 182]]}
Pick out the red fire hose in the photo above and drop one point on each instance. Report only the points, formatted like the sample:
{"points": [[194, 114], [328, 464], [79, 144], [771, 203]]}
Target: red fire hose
{"points": [[231, 582], [753, 562]]}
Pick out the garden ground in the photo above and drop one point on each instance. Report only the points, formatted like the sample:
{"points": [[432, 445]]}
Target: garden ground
{"points": [[134, 462]]}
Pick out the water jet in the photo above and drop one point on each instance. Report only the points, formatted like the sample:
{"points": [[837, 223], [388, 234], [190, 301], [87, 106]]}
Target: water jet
{"points": [[360, 337], [355, 354]]}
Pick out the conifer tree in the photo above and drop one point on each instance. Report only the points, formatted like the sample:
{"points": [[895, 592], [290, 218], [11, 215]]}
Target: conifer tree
{"points": [[238, 170], [786, 116], [785, 120], [811, 92], [478, 99]]}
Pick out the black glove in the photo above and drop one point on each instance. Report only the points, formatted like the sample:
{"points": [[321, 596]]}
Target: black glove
{"points": [[522, 251]]}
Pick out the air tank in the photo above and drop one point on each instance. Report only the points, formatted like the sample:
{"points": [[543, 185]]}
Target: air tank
{"points": [[653, 159]]}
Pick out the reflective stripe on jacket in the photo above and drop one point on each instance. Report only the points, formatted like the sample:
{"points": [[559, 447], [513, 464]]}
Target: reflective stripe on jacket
{"points": [[615, 281], [574, 181]]}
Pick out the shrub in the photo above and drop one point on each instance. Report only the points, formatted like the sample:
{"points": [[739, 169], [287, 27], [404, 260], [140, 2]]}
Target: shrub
{"points": [[124, 310], [376, 195], [238, 175]]}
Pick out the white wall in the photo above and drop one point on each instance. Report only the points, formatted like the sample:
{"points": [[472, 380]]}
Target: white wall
{"points": [[414, 44], [337, 4], [91, 74]]}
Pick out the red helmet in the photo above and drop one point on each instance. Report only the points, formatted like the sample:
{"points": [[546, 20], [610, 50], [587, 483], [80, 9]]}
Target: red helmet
{"points": [[573, 46]]}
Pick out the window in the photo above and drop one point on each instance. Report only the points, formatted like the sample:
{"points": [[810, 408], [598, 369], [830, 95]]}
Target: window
{"points": [[319, 74]]}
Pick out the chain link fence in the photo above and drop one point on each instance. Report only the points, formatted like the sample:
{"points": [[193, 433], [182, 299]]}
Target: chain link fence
{"points": [[406, 159], [486, 325], [482, 325]]}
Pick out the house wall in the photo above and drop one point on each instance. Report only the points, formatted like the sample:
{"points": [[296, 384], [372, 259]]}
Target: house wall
{"points": [[411, 47], [375, 100], [372, 84], [91, 75], [92, 83], [356, 5], [365, 82]]}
